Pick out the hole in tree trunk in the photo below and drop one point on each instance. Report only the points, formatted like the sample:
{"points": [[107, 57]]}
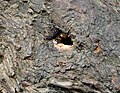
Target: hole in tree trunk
{"points": [[67, 41], [1, 58]]}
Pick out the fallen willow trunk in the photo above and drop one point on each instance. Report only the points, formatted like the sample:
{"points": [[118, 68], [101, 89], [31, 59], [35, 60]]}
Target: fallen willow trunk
{"points": [[59, 46]]}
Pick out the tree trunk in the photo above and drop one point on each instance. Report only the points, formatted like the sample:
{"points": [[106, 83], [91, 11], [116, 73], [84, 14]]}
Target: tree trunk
{"points": [[59, 46]]}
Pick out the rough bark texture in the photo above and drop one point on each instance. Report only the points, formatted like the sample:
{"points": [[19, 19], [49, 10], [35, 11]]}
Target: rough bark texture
{"points": [[36, 57]]}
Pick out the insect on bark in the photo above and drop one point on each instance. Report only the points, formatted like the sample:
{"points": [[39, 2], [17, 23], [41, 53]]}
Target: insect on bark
{"points": [[60, 31]]}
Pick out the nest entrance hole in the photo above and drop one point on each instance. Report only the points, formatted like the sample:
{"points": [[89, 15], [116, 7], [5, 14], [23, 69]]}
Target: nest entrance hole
{"points": [[67, 41], [1, 58]]}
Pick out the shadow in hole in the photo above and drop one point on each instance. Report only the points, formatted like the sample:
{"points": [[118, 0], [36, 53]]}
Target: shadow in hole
{"points": [[67, 41], [1, 58]]}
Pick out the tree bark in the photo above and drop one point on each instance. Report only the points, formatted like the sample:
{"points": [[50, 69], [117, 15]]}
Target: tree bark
{"points": [[59, 46]]}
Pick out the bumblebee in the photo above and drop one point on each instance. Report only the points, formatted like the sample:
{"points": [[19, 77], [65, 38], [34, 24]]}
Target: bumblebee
{"points": [[64, 38], [60, 37]]}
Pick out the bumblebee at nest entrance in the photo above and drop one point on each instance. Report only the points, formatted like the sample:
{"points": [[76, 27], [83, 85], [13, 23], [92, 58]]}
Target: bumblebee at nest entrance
{"points": [[64, 39], [61, 40], [60, 36], [63, 45]]}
